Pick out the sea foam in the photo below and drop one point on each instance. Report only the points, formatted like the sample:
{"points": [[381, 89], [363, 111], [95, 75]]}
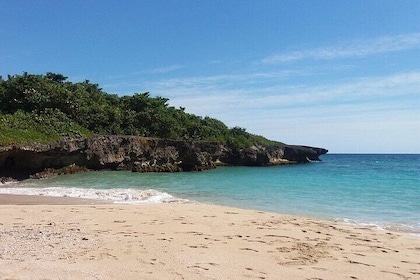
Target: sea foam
{"points": [[128, 196], [406, 228]]}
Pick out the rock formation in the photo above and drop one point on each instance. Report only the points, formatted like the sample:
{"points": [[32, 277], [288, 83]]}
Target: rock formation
{"points": [[140, 154]]}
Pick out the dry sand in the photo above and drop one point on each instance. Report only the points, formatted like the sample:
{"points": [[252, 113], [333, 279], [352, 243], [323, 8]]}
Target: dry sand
{"points": [[191, 241]]}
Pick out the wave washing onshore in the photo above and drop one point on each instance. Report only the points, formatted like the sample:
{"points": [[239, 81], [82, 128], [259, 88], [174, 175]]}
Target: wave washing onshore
{"points": [[374, 190], [127, 196]]}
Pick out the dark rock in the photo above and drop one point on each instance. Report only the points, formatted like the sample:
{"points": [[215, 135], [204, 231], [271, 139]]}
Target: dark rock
{"points": [[139, 154], [49, 172], [5, 180], [302, 154], [271, 155]]}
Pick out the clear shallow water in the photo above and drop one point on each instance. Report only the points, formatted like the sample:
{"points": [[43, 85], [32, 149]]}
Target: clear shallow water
{"points": [[381, 190]]}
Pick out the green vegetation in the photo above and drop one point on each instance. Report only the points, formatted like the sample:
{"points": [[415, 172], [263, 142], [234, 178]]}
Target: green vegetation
{"points": [[44, 108], [46, 126]]}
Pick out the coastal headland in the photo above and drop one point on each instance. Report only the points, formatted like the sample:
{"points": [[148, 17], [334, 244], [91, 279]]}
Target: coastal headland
{"points": [[73, 239], [50, 126], [139, 154]]}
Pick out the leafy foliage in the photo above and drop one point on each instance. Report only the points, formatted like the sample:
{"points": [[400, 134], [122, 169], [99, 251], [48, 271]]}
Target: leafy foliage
{"points": [[47, 126], [46, 107]]}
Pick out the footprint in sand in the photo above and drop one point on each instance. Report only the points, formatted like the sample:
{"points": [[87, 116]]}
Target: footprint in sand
{"points": [[255, 272], [198, 246], [203, 266], [166, 239], [355, 262], [249, 249]]}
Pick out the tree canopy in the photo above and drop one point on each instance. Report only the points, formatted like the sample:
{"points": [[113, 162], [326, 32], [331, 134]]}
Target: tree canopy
{"points": [[46, 107]]}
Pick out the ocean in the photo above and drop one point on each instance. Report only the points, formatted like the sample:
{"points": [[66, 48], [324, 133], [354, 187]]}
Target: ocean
{"points": [[371, 189]]}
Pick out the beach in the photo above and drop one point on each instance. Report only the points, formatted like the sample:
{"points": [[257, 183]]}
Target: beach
{"points": [[49, 238]]}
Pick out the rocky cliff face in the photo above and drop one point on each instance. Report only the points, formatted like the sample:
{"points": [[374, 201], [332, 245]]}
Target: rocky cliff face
{"points": [[142, 155]]}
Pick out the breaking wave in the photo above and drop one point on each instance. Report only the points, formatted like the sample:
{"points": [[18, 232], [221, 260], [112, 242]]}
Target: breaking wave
{"points": [[128, 196]]}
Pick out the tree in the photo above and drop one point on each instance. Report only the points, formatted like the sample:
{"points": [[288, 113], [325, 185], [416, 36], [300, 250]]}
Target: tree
{"points": [[53, 100]]}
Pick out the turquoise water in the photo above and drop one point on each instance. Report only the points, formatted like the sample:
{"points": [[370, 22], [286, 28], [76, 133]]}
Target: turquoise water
{"points": [[381, 190]]}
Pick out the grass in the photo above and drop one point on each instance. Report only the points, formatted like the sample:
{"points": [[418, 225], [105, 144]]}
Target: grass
{"points": [[23, 128]]}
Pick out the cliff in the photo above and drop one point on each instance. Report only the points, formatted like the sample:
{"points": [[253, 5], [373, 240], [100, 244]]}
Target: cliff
{"points": [[141, 154]]}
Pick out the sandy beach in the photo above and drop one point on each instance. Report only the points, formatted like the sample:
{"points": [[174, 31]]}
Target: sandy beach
{"points": [[45, 238]]}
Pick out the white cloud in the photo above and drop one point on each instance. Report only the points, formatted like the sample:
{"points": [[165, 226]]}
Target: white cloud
{"points": [[362, 115], [202, 85], [216, 61], [198, 92], [166, 69], [359, 48]]}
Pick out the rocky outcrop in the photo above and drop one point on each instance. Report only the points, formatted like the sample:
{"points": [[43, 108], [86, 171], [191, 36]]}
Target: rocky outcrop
{"points": [[48, 172], [141, 154], [271, 155], [302, 154]]}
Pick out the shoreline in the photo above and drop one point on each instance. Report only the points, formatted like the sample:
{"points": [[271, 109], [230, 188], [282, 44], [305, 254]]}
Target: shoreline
{"points": [[67, 199], [70, 238], [47, 199], [24, 199]]}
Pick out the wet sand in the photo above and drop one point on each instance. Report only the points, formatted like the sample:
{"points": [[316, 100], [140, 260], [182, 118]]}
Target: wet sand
{"points": [[12, 199], [49, 238]]}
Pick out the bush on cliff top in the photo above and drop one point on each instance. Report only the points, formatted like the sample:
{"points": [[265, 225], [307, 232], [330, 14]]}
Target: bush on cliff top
{"points": [[47, 126], [43, 108]]}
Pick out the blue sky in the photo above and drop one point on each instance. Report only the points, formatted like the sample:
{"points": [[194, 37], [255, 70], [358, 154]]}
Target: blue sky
{"points": [[344, 75]]}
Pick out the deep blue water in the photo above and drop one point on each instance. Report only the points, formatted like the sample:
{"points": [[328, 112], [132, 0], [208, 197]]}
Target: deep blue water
{"points": [[382, 190]]}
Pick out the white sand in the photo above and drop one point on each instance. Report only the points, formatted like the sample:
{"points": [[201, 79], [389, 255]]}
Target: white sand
{"points": [[193, 241]]}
